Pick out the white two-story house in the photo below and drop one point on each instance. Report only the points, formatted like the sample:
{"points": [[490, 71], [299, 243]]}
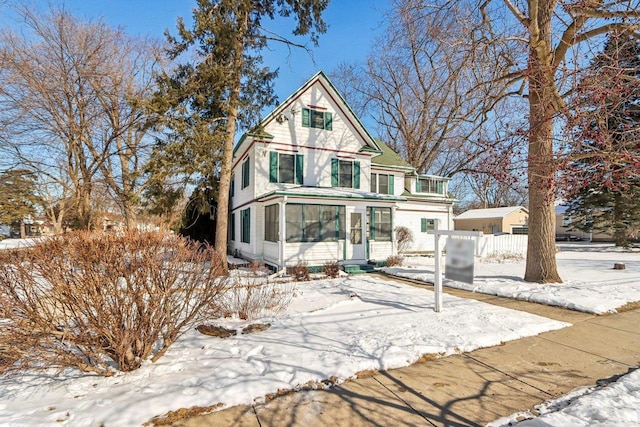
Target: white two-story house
{"points": [[311, 184]]}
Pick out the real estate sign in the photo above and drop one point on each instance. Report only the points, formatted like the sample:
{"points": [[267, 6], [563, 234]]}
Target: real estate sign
{"points": [[459, 260]]}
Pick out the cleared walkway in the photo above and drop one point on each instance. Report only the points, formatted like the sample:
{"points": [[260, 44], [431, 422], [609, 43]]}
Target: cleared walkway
{"points": [[469, 389]]}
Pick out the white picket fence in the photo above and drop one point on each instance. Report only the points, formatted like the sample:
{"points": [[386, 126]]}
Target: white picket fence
{"points": [[505, 244]]}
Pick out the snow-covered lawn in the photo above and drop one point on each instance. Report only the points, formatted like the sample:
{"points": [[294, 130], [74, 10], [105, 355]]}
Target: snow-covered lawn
{"points": [[590, 282], [332, 328], [15, 243]]}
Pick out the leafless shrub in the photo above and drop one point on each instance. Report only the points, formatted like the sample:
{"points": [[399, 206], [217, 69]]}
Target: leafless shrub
{"points": [[394, 260], [256, 267], [103, 302], [253, 300], [501, 257], [300, 272], [404, 237], [331, 269]]}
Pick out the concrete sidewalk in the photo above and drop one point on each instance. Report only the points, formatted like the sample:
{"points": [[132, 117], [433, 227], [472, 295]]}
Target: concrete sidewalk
{"points": [[468, 389]]}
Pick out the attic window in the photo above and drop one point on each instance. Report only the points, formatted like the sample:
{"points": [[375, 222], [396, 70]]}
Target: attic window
{"points": [[316, 119]]}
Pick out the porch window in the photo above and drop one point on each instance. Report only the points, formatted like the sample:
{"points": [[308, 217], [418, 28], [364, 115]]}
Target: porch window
{"points": [[271, 222], [379, 220], [315, 223], [345, 173], [317, 119], [245, 173], [246, 225], [430, 185], [286, 168]]}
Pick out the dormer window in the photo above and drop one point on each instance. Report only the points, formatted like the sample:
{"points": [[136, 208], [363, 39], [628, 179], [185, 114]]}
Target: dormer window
{"points": [[315, 118], [430, 185]]}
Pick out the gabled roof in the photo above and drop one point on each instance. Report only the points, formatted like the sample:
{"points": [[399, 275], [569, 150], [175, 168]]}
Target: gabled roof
{"points": [[490, 213], [371, 144], [389, 158]]}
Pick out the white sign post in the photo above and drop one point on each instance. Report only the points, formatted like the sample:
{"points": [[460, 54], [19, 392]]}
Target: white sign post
{"points": [[438, 270]]}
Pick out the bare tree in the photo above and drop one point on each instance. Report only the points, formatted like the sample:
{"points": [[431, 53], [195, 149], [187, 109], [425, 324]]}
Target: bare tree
{"points": [[425, 86], [70, 109], [534, 49]]}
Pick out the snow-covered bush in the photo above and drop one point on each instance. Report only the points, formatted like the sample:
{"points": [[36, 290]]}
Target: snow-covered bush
{"points": [[103, 302]]}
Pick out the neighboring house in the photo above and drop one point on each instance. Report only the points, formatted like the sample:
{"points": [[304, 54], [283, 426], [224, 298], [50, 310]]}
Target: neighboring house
{"points": [[509, 219], [311, 184], [566, 230]]}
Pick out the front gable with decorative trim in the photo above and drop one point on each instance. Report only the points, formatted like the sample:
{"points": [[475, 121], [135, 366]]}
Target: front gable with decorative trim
{"points": [[307, 187]]}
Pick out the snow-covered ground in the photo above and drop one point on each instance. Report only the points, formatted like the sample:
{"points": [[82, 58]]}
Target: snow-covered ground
{"points": [[15, 243], [615, 405], [590, 282], [332, 328], [337, 328]]}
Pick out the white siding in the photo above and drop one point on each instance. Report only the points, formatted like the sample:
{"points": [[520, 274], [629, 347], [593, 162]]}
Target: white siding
{"points": [[380, 251], [316, 253], [410, 215]]}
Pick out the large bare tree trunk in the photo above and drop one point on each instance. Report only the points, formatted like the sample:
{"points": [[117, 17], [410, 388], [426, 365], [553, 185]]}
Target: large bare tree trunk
{"points": [[222, 215], [541, 252]]}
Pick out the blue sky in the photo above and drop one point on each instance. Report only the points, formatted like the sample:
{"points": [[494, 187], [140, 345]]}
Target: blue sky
{"points": [[352, 25]]}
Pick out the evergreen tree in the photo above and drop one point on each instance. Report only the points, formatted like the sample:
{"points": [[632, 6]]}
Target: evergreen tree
{"points": [[225, 88], [602, 181], [18, 198]]}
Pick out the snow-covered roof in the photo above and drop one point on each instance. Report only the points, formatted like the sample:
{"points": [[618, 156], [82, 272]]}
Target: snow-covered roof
{"points": [[490, 213], [332, 192]]}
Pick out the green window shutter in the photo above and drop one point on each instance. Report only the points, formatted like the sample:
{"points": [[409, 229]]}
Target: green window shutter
{"points": [[232, 186], [418, 186], [334, 172], [356, 175], [423, 225], [232, 229], [440, 187], [305, 118], [299, 169], [249, 225], [391, 184], [273, 166], [328, 121]]}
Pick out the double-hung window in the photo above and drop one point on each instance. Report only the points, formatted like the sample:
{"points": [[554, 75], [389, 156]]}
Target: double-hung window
{"points": [[319, 119], [245, 173], [382, 183], [271, 222], [345, 173], [286, 168], [246, 225]]}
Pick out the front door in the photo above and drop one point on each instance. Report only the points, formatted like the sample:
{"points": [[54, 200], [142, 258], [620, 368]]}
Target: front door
{"points": [[355, 243]]}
